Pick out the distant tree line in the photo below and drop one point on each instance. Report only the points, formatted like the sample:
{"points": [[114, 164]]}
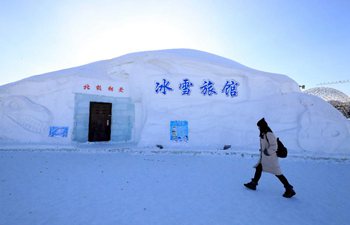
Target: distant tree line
{"points": [[343, 107]]}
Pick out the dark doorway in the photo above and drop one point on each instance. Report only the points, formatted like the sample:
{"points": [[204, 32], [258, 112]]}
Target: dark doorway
{"points": [[100, 121]]}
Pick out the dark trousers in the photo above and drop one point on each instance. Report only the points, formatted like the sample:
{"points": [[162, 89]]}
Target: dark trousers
{"points": [[258, 172]]}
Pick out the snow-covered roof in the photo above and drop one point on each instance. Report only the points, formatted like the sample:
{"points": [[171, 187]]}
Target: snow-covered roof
{"points": [[328, 94]]}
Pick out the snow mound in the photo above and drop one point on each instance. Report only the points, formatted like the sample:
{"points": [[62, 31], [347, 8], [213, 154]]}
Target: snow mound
{"points": [[328, 94], [221, 106]]}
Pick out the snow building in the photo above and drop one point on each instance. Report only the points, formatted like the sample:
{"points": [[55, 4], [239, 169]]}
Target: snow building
{"points": [[333, 96], [175, 98], [328, 94]]}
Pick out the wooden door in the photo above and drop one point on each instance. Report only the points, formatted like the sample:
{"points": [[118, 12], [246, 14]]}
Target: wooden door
{"points": [[100, 121]]}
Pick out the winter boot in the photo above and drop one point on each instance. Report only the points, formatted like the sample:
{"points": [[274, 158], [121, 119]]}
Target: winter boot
{"points": [[289, 192], [251, 185]]}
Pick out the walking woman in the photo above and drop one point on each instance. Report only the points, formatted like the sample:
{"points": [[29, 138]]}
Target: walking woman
{"points": [[268, 161]]}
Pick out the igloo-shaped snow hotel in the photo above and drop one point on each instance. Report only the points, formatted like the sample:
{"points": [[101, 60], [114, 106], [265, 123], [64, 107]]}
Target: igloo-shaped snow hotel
{"points": [[175, 98]]}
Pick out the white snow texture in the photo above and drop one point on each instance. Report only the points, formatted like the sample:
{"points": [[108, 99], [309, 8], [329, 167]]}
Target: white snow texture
{"points": [[28, 108]]}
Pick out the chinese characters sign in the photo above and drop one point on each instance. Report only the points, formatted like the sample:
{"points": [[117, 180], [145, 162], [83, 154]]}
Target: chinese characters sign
{"points": [[163, 87], [118, 89], [99, 88], [179, 131], [206, 88], [185, 87]]}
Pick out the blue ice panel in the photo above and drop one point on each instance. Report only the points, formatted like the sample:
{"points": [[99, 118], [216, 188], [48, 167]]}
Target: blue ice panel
{"points": [[123, 117]]}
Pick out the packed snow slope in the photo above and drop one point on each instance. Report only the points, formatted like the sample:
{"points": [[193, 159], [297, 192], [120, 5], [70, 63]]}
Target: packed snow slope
{"points": [[221, 103]]}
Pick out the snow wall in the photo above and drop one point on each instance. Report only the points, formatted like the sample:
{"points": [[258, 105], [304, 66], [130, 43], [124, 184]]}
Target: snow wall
{"points": [[176, 98]]}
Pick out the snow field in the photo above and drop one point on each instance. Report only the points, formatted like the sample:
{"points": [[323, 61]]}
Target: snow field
{"points": [[59, 188]]}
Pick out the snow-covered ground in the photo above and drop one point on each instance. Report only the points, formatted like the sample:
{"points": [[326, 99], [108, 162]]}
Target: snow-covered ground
{"points": [[131, 187]]}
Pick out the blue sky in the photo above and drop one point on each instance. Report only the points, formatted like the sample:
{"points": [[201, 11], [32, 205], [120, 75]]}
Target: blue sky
{"points": [[308, 40]]}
